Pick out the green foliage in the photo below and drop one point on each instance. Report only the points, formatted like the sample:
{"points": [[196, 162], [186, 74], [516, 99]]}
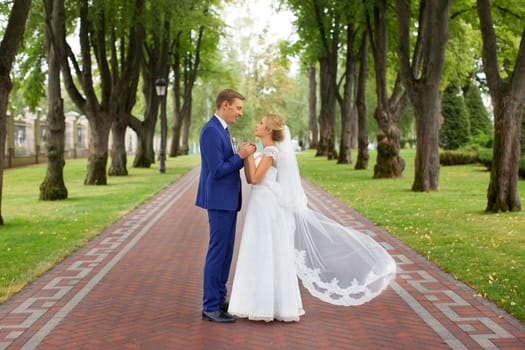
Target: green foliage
{"points": [[464, 45], [458, 157], [30, 73], [449, 227], [480, 122], [485, 157], [455, 131], [317, 22], [483, 140], [39, 234], [407, 125], [205, 91], [509, 15]]}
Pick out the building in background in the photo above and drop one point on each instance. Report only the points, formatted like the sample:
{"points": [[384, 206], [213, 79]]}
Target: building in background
{"points": [[27, 136]]}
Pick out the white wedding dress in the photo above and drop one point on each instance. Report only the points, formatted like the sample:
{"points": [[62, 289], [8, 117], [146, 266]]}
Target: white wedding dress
{"points": [[265, 285], [284, 239]]}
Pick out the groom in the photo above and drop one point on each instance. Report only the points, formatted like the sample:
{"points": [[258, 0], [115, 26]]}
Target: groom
{"points": [[220, 193]]}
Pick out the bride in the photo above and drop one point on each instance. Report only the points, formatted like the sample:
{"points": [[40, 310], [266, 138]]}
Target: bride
{"points": [[283, 239]]}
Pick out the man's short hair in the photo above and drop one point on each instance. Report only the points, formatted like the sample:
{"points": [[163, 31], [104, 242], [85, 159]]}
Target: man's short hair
{"points": [[227, 95]]}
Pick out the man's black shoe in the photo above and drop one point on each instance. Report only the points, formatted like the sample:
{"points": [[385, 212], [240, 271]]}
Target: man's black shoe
{"points": [[217, 316], [224, 306]]}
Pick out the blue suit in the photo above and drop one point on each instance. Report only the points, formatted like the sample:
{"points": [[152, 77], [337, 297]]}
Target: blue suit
{"points": [[220, 193]]}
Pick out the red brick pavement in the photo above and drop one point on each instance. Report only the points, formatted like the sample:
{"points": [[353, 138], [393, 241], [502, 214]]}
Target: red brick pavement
{"points": [[138, 286]]}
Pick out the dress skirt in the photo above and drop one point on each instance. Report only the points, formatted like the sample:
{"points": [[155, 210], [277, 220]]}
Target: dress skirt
{"points": [[265, 286]]}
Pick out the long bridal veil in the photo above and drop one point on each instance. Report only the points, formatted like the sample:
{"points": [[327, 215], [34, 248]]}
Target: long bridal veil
{"points": [[337, 264]]}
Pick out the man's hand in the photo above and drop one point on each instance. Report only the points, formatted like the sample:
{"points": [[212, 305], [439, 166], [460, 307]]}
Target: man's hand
{"points": [[246, 149]]}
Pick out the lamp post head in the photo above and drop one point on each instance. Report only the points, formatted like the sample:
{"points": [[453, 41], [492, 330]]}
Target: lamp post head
{"points": [[160, 86]]}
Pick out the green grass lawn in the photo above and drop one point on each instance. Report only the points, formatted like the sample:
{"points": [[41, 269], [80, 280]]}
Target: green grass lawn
{"points": [[38, 234], [449, 227]]}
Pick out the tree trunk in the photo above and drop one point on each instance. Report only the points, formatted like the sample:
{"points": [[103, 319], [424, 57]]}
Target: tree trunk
{"points": [[177, 106], [427, 109], [508, 99], [503, 192], [186, 127], [99, 127], [53, 187], [346, 101], [345, 152], [13, 35], [389, 163], [177, 117], [144, 152], [175, 136], [118, 148], [312, 107], [362, 119], [328, 73], [354, 128], [145, 130]]}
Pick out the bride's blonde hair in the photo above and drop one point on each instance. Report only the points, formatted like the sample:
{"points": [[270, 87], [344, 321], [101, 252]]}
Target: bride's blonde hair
{"points": [[276, 124]]}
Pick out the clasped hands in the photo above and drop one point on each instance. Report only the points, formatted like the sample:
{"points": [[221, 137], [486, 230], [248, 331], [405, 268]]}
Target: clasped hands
{"points": [[246, 149]]}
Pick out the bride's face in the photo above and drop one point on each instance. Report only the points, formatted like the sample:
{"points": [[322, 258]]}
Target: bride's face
{"points": [[261, 129]]}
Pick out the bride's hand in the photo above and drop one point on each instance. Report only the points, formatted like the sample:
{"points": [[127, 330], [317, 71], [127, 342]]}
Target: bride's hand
{"points": [[246, 149]]}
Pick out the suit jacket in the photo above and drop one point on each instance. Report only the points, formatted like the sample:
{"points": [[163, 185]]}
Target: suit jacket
{"points": [[220, 181]]}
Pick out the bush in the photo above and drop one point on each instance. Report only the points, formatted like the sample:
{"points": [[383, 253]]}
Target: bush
{"points": [[485, 157], [458, 157], [483, 140]]}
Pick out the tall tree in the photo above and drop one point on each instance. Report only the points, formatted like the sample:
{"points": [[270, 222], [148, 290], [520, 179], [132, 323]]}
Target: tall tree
{"points": [[319, 25], [328, 20], [455, 131], [194, 40], [480, 123], [97, 38], [9, 44], [312, 106], [362, 123], [154, 65], [422, 78], [53, 186], [127, 36], [346, 101], [388, 111], [508, 100]]}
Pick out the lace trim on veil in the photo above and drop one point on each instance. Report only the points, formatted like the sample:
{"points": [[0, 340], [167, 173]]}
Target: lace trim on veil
{"points": [[337, 264], [332, 292]]}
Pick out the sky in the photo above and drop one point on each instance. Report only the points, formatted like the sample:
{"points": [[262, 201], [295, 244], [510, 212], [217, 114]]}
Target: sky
{"points": [[248, 19], [252, 17]]}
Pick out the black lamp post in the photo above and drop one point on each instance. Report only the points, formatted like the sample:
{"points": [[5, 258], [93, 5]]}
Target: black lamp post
{"points": [[160, 85]]}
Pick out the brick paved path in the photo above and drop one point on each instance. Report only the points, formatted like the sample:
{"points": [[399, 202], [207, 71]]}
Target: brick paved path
{"points": [[138, 286]]}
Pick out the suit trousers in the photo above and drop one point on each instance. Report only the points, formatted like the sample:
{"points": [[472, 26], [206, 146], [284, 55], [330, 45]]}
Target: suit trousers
{"points": [[219, 257]]}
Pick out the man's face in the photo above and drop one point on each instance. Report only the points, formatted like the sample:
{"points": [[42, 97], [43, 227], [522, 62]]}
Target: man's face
{"points": [[232, 112]]}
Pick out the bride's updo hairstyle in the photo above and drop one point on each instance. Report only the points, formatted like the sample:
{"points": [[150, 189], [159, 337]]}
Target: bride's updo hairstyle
{"points": [[275, 123]]}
